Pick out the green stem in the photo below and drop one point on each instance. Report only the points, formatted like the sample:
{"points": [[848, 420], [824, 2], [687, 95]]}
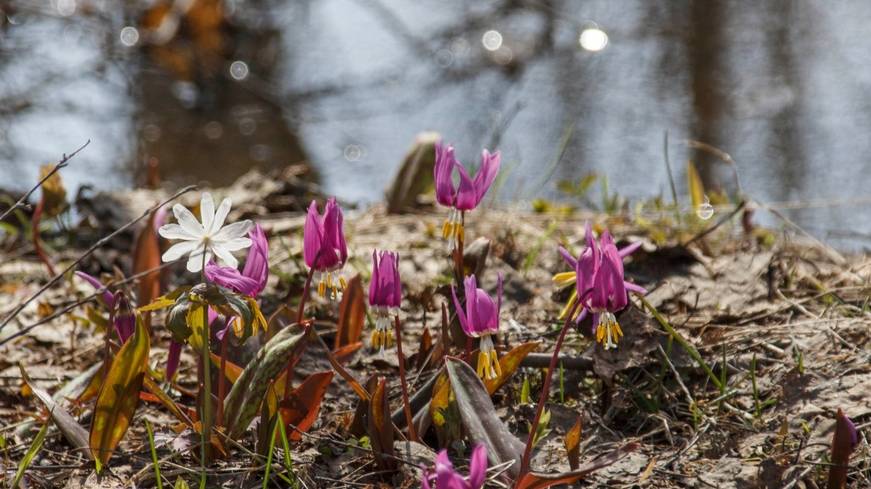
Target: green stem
{"points": [[693, 353], [206, 389]]}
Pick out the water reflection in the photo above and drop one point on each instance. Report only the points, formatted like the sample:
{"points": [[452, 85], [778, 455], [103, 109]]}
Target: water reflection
{"points": [[213, 89]]}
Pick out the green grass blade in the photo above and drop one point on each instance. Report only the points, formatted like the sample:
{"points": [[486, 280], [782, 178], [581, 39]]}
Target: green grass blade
{"points": [[271, 451], [691, 351], [288, 461], [153, 454], [30, 455]]}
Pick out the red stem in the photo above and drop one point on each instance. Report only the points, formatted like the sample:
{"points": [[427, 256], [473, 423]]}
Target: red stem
{"points": [[545, 391], [305, 291], [409, 419]]}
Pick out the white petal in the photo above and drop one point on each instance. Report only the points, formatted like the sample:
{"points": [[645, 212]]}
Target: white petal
{"points": [[234, 244], [207, 211], [187, 220], [220, 216], [179, 250], [195, 262], [225, 256], [174, 231], [232, 231]]}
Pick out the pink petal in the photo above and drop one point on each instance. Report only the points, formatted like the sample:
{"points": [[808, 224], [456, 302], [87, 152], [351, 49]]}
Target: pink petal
{"points": [[478, 466], [312, 235], [486, 174], [467, 196]]}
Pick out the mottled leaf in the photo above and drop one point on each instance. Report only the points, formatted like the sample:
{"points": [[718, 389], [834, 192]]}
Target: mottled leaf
{"points": [[479, 418], [119, 395], [247, 393]]}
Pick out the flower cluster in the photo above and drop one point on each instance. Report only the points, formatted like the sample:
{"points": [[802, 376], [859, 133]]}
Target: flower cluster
{"points": [[600, 287]]}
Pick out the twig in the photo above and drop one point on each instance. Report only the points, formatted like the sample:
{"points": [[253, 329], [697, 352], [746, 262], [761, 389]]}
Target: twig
{"points": [[87, 253], [61, 164]]}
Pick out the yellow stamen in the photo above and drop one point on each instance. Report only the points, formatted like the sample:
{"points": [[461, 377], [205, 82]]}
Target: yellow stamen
{"points": [[494, 359], [322, 289], [482, 363], [608, 331]]}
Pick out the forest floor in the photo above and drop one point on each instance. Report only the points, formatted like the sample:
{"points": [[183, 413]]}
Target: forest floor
{"points": [[782, 323]]}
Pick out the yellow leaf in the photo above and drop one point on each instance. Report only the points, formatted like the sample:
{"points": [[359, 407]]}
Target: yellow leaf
{"points": [[696, 188], [573, 444], [441, 398], [509, 364], [119, 395], [196, 319], [161, 302]]}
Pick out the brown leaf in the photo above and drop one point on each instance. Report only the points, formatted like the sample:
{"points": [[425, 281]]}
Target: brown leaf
{"points": [[537, 480], [71, 429], [479, 418], [146, 256], [573, 445], [343, 353], [509, 364], [302, 407], [842, 447], [162, 397], [380, 427], [119, 395], [349, 378], [352, 314]]}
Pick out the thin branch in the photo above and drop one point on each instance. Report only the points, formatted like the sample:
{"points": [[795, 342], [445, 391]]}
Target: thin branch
{"points": [[87, 253], [61, 164]]}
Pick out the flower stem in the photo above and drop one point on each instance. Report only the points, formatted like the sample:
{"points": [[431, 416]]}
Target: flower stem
{"points": [[305, 291], [409, 418], [205, 387], [545, 390]]}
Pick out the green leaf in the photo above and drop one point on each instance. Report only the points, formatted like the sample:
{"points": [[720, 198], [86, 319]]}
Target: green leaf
{"points": [[247, 393], [119, 395]]}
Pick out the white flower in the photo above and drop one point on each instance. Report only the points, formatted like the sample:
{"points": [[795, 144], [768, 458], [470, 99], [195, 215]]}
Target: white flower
{"points": [[209, 237]]}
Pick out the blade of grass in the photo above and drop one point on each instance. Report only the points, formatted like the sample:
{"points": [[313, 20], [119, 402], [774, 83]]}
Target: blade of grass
{"points": [[288, 462], [153, 454], [270, 452], [30, 455], [691, 351]]}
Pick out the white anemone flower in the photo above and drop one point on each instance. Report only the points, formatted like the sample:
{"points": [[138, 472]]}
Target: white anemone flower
{"points": [[209, 238]]}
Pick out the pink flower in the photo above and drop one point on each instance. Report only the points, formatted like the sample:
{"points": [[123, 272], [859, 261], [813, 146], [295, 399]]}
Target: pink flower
{"points": [[252, 280], [481, 320], [447, 478], [385, 295], [470, 191], [600, 285], [324, 247], [124, 320]]}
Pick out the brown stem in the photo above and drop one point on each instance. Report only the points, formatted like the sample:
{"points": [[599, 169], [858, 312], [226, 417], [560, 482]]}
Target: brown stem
{"points": [[545, 391], [409, 419], [467, 353]]}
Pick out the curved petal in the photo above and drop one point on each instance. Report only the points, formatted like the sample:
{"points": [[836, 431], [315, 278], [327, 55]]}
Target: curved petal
{"points": [[634, 288], [207, 211], [257, 262], [179, 250], [225, 256], [569, 259], [221, 215], [234, 244], [108, 297], [195, 262], [232, 231], [467, 196], [397, 283], [175, 231], [442, 174], [312, 237], [629, 249], [478, 466], [374, 283], [461, 315], [187, 220], [172, 359], [486, 174]]}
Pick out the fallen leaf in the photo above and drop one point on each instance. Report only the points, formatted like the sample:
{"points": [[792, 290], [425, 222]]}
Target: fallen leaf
{"points": [[71, 429], [302, 406], [573, 445], [537, 480]]}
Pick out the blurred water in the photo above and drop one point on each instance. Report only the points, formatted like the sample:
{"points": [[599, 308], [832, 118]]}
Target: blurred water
{"points": [[347, 84]]}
